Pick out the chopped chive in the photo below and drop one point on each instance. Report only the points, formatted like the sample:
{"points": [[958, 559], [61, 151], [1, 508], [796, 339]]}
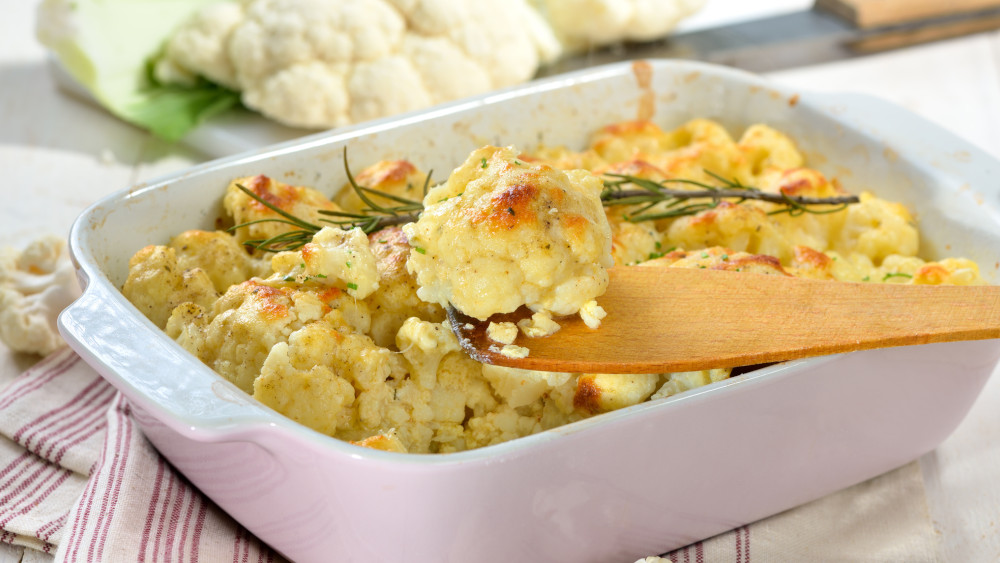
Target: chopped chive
{"points": [[420, 250], [896, 275], [321, 276], [348, 264], [483, 163], [352, 285]]}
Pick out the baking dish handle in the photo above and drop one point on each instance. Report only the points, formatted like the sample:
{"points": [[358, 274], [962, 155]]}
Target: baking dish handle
{"points": [[152, 372]]}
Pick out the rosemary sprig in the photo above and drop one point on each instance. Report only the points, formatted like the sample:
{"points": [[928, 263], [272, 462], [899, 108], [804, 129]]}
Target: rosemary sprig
{"points": [[289, 240], [646, 194], [649, 193], [375, 216]]}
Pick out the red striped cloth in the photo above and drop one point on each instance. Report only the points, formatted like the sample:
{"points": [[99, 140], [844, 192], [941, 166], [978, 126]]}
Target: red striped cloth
{"points": [[80, 482]]}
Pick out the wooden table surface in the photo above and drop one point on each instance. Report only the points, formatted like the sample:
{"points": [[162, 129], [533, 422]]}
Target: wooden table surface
{"points": [[59, 155]]}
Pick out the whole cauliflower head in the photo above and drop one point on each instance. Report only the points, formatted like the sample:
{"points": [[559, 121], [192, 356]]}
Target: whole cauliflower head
{"points": [[502, 233], [580, 24], [328, 63], [35, 286]]}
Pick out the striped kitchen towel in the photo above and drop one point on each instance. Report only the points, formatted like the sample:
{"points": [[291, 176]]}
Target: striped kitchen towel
{"points": [[79, 482]]}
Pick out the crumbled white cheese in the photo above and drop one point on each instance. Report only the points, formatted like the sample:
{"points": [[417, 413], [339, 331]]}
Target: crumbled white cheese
{"points": [[504, 333], [540, 324], [512, 351], [592, 313]]}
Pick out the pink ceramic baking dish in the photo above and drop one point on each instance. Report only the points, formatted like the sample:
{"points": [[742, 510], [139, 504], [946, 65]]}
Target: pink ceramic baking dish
{"points": [[615, 487]]}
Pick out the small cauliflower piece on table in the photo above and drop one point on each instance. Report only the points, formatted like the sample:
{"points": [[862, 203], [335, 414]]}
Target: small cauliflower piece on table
{"points": [[35, 285], [502, 233]]}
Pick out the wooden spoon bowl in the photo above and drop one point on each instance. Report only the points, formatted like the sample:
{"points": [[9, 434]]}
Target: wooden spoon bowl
{"points": [[663, 320]]}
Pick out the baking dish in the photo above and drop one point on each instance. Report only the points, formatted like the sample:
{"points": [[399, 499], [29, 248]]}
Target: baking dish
{"points": [[615, 487]]}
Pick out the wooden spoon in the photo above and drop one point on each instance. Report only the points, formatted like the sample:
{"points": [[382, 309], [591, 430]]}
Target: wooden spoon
{"points": [[664, 320]]}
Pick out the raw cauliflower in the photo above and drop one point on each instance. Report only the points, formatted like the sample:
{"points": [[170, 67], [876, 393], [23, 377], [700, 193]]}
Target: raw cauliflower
{"points": [[589, 23], [328, 63], [35, 285]]}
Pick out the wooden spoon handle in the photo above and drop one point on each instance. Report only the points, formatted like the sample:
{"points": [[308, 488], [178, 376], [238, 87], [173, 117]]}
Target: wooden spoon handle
{"points": [[672, 319]]}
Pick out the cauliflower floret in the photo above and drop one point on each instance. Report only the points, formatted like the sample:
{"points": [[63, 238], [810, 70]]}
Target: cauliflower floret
{"points": [[307, 392], [304, 203], [235, 334], [396, 299], [219, 255], [201, 45], [742, 228], [394, 177], [602, 392], [334, 258], [157, 283], [687, 380], [586, 23], [327, 63], [520, 387], [877, 228], [501, 233], [35, 286], [424, 344]]}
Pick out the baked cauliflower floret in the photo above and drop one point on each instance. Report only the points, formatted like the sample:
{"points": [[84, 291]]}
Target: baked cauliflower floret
{"points": [[306, 378], [518, 387], [742, 228], [602, 392], [686, 380], [235, 335], [719, 258], [877, 228], [396, 299], [219, 255], [334, 258], [913, 270], [35, 286], [501, 233], [424, 344], [767, 150], [304, 203], [157, 283], [328, 63], [398, 178]]}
